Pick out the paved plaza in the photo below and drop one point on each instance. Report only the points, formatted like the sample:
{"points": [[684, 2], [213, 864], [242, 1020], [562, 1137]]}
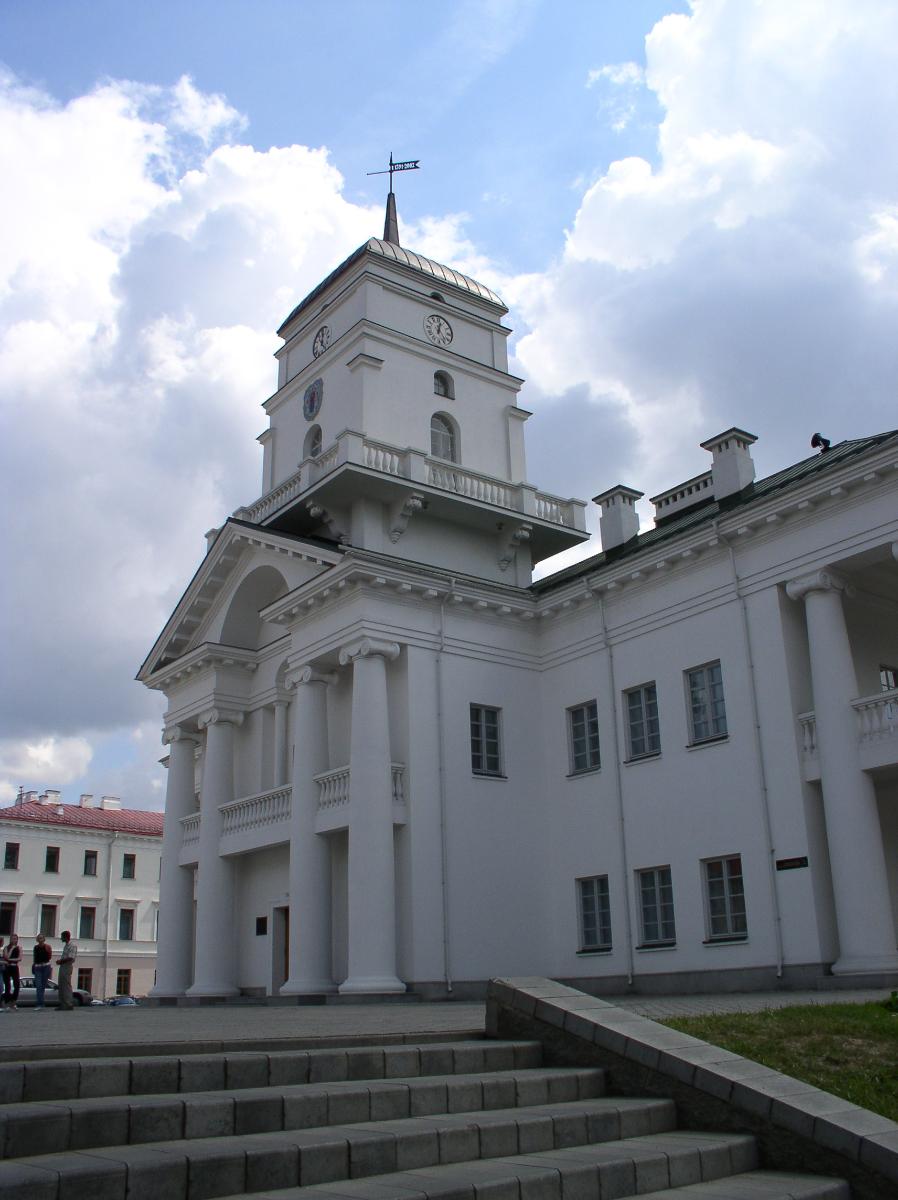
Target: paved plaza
{"points": [[217, 1027]]}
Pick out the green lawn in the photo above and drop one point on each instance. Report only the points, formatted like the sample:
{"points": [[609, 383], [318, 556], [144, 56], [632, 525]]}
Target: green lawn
{"points": [[848, 1049]]}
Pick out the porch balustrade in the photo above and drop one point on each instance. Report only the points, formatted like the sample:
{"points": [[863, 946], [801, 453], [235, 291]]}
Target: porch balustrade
{"points": [[256, 812], [416, 467], [334, 787], [876, 719]]}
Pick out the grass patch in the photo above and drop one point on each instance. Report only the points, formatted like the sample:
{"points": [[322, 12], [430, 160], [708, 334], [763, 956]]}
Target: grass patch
{"points": [[850, 1050]]}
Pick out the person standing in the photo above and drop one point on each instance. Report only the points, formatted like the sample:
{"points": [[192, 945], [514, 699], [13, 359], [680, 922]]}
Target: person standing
{"points": [[2, 973], [66, 963], [11, 982], [41, 967]]}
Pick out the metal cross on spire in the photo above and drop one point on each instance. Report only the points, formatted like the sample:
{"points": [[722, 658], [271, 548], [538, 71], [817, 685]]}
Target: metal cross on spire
{"points": [[391, 222]]}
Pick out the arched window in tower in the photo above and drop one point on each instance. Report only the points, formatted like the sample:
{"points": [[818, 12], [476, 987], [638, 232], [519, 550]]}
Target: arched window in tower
{"points": [[443, 440], [442, 385], [313, 442]]}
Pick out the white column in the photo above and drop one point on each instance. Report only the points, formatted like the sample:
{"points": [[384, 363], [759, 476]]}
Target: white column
{"points": [[372, 896], [280, 744], [215, 955], [310, 950], [853, 831], [174, 946]]}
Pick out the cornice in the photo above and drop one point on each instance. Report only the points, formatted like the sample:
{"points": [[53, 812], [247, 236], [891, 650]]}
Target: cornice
{"points": [[200, 659]]}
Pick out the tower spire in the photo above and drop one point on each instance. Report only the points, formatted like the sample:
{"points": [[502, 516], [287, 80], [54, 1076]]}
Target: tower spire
{"points": [[391, 222]]}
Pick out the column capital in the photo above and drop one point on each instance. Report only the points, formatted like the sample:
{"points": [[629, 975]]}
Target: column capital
{"points": [[309, 674], [220, 716], [824, 580], [366, 647], [177, 733]]}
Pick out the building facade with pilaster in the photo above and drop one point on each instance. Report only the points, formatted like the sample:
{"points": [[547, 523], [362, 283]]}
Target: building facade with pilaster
{"points": [[397, 762], [91, 868]]}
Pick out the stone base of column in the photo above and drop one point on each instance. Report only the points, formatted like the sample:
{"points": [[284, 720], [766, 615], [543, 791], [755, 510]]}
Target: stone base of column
{"points": [[873, 964], [212, 989], [166, 993], [371, 983], [307, 987]]}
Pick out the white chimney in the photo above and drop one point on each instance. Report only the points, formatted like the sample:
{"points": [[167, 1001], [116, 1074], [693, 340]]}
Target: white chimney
{"points": [[86, 800], [732, 467], [110, 802], [53, 795], [620, 520]]}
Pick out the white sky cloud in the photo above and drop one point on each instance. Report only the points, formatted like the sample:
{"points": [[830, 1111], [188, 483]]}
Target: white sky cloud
{"points": [[747, 274]]}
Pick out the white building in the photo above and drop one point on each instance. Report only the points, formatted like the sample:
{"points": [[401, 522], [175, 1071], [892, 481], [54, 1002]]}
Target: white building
{"points": [[92, 869], [672, 766]]}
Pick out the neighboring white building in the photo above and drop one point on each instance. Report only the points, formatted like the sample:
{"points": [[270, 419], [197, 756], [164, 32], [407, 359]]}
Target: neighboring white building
{"points": [[91, 869], [672, 766]]}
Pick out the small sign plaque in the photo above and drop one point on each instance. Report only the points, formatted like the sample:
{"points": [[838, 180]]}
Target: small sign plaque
{"points": [[791, 864]]}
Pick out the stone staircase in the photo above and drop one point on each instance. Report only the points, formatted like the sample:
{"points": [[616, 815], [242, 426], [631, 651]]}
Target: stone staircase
{"points": [[469, 1120]]}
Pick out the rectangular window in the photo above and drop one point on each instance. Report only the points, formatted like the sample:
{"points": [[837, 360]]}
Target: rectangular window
{"points": [[261, 926], [85, 979], [48, 920], [725, 898], [656, 905], [583, 733], [643, 728], [51, 861], [126, 925], [90, 862], [707, 714], [595, 913], [485, 749], [888, 678], [11, 857], [123, 982], [7, 917], [129, 866], [87, 923]]}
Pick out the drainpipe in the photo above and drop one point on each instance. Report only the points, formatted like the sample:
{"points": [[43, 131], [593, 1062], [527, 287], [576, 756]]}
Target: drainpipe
{"points": [[108, 913], [441, 772], [619, 781], [762, 770]]}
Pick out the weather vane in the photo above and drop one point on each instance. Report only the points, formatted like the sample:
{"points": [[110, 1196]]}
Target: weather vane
{"points": [[412, 165]]}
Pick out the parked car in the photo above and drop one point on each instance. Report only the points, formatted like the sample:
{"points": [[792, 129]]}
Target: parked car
{"points": [[122, 1002], [28, 995]]}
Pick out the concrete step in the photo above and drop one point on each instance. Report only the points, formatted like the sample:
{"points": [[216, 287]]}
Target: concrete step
{"points": [[72, 1078], [558, 1175], [219, 1166], [42, 1127]]}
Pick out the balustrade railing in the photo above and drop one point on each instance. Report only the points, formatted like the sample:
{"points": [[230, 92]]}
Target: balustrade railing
{"points": [[190, 826], [255, 812], [877, 716], [416, 467], [334, 788]]}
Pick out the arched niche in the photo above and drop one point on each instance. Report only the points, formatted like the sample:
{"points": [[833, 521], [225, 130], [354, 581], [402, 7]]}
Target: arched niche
{"points": [[242, 625]]}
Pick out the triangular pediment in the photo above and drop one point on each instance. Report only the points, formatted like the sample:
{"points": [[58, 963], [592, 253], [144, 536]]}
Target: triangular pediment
{"points": [[240, 548]]}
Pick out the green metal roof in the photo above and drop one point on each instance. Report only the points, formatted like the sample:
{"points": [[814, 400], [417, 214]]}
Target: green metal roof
{"points": [[707, 511]]}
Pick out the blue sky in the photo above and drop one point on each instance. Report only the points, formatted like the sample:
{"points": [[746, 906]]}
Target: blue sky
{"points": [[690, 208]]}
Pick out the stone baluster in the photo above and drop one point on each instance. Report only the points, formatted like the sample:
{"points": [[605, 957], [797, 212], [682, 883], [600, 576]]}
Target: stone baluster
{"points": [[371, 886], [310, 951], [853, 831], [215, 957], [175, 936]]}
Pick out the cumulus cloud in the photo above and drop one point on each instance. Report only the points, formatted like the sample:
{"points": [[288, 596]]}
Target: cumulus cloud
{"points": [[138, 303], [55, 758], [748, 274]]}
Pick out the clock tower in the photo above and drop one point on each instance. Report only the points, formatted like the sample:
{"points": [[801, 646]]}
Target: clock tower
{"points": [[395, 426]]}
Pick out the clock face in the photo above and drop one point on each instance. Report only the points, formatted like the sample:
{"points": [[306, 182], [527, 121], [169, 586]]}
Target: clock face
{"points": [[322, 340], [311, 400], [438, 329]]}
